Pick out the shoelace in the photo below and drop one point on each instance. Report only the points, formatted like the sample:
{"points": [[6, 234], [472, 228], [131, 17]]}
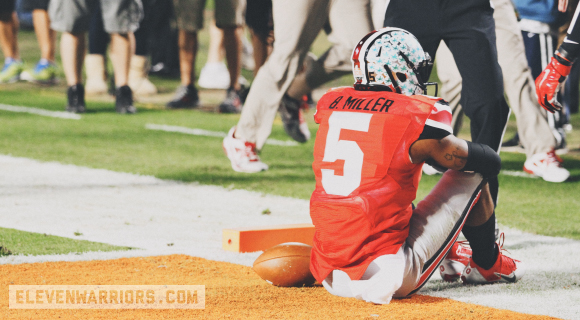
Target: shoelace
{"points": [[509, 261], [553, 157], [250, 150]]}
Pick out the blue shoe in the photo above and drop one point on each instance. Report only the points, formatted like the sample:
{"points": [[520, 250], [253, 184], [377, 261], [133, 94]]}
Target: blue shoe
{"points": [[11, 71], [43, 72]]}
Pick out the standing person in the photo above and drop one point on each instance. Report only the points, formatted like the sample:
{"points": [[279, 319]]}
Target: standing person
{"points": [[539, 26], [228, 17], [468, 29], [277, 86], [215, 73], [45, 69], [139, 66], [259, 21], [120, 17], [534, 130], [96, 62], [13, 66], [369, 242]]}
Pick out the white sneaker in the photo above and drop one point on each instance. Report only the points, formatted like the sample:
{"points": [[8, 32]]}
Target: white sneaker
{"points": [[547, 166], [429, 170], [138, 81], [242, 154], [214, 75], [95, 69], [248, 62]]}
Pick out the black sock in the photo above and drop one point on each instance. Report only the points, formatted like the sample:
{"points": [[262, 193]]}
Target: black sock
{"points": [[482, 241]]}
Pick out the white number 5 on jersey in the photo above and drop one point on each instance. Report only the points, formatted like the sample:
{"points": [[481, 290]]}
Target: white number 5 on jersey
{"points": [[349, 151]]}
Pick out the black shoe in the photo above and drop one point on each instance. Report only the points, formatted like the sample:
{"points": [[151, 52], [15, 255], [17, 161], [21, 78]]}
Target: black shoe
{"points": [[76, 99], [124, 100], [232, 102], [562, 146], [185, 97], [244, 94], [294, 123], [513, 142]]}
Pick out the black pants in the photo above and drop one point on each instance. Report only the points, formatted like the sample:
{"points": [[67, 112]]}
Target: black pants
{"points": [[468, 29]]}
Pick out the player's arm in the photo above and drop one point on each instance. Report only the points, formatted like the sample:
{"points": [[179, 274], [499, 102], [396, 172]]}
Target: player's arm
{"points": [[453, 153], [548, 82]]}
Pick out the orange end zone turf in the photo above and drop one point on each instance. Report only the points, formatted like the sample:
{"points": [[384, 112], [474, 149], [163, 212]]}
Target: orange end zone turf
{"points": [[232, 291], [261, 238]]}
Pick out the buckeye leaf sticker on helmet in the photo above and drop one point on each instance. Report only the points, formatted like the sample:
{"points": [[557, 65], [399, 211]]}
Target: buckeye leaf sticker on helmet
{"points": [[390, 59]]}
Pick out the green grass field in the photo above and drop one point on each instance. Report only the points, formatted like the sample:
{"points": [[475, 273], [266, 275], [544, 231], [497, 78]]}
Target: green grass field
{"points": [[104, 139], [30, 243]]}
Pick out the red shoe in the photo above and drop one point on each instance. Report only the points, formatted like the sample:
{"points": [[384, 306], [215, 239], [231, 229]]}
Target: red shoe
{"points": [[455, 262], [505, 270]]}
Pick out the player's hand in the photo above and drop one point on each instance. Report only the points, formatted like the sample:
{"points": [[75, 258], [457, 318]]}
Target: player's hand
{"points": [[548, 82]]}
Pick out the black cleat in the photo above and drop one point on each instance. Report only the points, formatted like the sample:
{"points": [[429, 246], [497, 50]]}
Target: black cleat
{"points": [[124, 100], [76, 99], [294, 123]]}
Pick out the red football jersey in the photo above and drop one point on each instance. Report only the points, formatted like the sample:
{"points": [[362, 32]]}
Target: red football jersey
{"points": [[365, 181]]}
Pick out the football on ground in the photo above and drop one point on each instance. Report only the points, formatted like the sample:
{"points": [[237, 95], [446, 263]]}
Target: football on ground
{"points": [[286, 265]]}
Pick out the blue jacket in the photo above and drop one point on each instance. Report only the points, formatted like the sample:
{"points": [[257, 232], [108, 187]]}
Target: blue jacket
{"points": [[540, 10]]}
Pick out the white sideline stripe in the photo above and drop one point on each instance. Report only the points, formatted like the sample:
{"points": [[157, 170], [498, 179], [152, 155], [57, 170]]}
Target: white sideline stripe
{"points": [[207, 133], [520, 174], [41, 112]]}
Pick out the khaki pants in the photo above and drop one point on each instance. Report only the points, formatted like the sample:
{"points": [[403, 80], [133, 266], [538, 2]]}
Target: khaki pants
{"points": [[533, 129], [296, 25]]}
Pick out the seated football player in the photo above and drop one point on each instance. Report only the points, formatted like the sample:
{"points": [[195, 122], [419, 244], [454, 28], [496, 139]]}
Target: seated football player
{"points": [[370, 243]]}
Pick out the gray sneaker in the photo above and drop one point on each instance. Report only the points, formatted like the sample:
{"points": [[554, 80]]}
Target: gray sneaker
{"points": [[185, 97], [294, 123], [232, 103]]}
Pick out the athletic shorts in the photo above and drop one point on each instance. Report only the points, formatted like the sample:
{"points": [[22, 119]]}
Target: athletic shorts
{"points": [[434, 227], [259, 17], [30, 5], [227, 13], [7, 6], [74, 16]]}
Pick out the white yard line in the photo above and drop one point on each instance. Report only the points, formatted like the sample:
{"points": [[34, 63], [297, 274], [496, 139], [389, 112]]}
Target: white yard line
{"points": [[520, 174], [41, 112], [149, 213], [207, 133]]}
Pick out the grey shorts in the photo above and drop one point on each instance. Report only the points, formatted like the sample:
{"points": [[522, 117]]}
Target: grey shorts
{"points": [[29, 5], [227, 13], [119, 16]]}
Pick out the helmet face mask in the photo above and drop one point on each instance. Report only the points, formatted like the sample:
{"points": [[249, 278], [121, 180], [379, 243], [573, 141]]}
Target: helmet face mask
{"points": [[391, 59]]}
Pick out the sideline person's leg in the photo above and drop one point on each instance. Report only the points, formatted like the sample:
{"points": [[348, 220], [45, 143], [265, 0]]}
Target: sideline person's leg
{"points": [[72, 19], [297, 24], [189, 18], [229, 17], [119, 19]]}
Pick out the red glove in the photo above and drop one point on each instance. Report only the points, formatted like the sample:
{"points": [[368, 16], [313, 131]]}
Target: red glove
{"points": [[549, 80]]}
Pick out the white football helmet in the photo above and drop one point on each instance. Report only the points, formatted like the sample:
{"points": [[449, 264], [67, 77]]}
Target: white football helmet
{"points": [[391, 59]]}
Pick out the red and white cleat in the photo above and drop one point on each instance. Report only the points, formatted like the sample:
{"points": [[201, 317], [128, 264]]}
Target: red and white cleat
{"points": [[455, 262], [242, 154], [505, 270]]}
